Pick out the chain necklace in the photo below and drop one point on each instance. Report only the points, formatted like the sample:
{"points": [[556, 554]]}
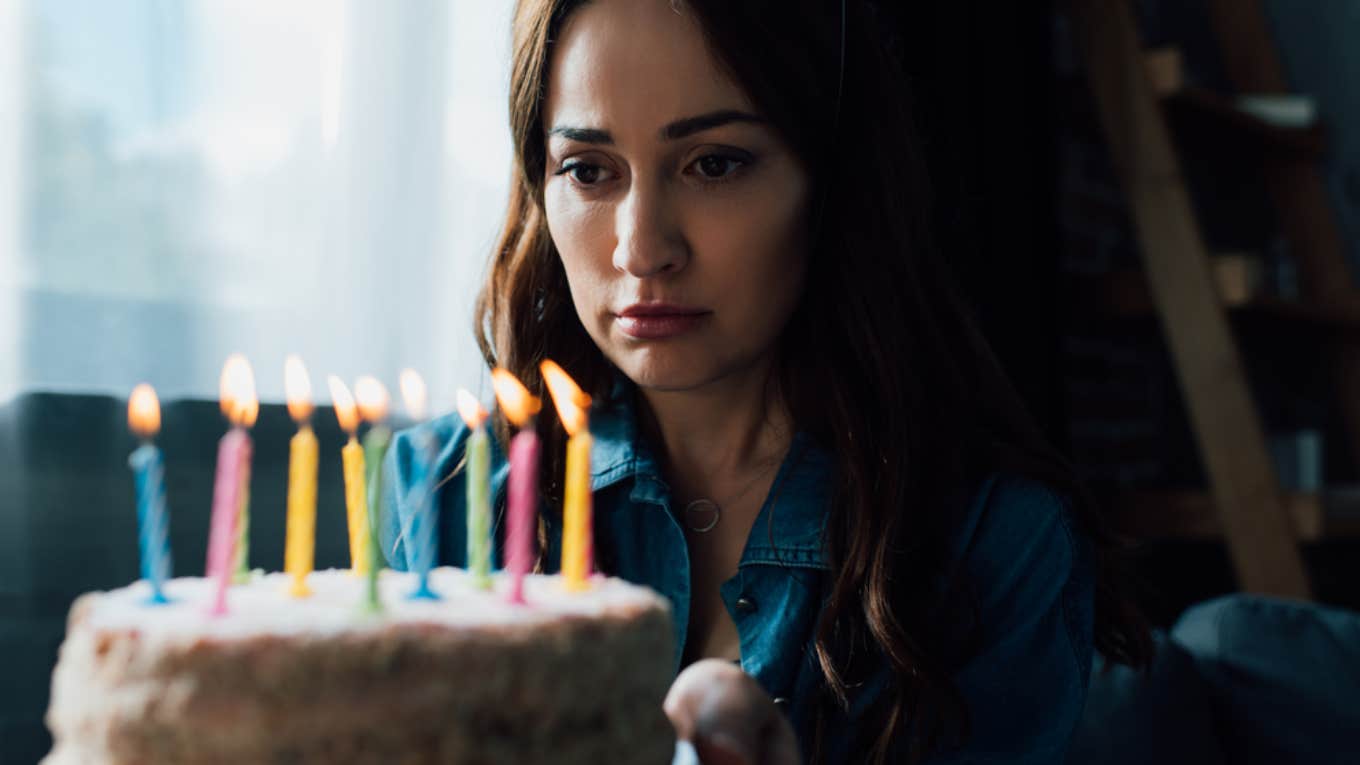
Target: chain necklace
{"points": [[703, 514]]}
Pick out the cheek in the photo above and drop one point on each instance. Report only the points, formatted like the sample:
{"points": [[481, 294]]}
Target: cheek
{"points": [[582, 234], [758, 247]]}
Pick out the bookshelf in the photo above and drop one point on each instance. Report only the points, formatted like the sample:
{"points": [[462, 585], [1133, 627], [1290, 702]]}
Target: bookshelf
{"points": [[1143, 113]]}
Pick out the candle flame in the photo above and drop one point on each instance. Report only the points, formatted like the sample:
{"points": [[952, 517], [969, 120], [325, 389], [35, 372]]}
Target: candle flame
{"points": [[343, 401], [237, 387], [470, 409], [571, 402], [515, 400], [144, 411], [372, 397], [413, 393], [297, 386], [250, 410]]}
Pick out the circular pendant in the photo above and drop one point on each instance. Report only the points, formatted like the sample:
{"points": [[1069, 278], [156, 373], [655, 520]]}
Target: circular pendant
{"points": [[702, 515]]}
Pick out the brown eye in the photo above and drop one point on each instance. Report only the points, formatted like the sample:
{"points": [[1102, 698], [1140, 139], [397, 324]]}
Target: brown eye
{"points": [[714, 166], [583, 173], [717, 168]]}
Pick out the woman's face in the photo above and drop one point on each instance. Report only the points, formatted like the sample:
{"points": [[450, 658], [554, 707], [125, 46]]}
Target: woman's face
{"points": [[679, 215]]}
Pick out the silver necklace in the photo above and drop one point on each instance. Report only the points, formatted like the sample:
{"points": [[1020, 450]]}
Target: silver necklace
{"points": [[703, 514], [702, 509]]}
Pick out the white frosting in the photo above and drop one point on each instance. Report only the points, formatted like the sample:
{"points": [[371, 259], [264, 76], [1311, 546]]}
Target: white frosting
{"points": [[338, 604]]}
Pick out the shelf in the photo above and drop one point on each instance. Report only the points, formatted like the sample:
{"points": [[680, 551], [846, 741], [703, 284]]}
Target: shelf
{"points": [[1207, 119], [1334, 514], [1125, 295]]}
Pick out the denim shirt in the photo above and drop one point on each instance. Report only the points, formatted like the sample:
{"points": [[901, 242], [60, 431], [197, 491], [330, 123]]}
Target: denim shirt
{"points": [[1023, 676]]}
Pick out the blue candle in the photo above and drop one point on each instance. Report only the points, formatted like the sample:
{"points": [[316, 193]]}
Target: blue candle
{"points": [[422, 544], [423, 524], [148, 470]]}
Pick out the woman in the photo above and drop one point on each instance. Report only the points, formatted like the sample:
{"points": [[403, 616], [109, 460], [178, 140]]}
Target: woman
{"points": [[716, 227]]}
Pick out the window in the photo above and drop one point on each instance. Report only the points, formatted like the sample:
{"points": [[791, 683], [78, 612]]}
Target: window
{"points": [[180, 179]]}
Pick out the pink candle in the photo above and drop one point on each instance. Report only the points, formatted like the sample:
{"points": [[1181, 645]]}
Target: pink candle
{"points": [[522, 520], [233, 453], [240, 406], [519, 407]]}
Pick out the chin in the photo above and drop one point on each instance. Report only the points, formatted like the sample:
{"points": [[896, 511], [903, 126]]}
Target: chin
{"points": [[657, 369], [666, 380]]}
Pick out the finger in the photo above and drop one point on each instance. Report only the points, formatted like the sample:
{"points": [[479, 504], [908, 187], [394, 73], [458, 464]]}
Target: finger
{"points": [[781, 744], [713, 695], [718, 749], [681, 715], [723, 711]]}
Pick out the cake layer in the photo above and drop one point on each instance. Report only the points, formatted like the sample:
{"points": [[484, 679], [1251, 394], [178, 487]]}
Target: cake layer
{"points": [[569, 677]]}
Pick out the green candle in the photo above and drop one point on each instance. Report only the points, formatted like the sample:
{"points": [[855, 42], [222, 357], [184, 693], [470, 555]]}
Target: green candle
{"points": [[479, 508], [373, 403], [242, 562], [478, 458], [375, 448]]}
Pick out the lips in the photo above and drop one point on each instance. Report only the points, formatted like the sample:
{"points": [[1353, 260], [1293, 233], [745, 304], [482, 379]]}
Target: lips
{"points": [[658, 321]]}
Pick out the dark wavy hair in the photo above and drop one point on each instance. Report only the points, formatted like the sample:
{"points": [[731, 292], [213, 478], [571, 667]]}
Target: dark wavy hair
{"points": [[880, 362]]}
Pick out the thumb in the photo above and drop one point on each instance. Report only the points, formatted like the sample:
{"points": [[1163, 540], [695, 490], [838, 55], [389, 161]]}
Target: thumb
{"points": [[721, 749]]}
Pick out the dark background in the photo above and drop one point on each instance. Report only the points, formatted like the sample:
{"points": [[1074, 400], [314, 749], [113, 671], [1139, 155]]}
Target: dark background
{"points": [[1025, 204]]}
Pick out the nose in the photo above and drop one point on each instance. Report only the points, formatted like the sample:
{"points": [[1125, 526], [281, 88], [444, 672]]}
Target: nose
{"points": [[648, 240]]}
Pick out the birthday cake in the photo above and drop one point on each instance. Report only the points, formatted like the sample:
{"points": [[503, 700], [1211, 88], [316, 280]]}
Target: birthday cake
{"points": [[568, 677]]}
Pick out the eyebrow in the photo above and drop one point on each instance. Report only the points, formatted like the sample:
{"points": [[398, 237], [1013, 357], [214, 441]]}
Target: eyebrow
{"points": [[673, 132], [691, 125]]}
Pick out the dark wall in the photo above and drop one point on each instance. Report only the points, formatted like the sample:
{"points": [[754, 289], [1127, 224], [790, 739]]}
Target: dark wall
{"points": [[981, 74]]}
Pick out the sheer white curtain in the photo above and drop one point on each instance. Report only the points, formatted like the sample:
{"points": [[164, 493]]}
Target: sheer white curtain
{"points": [[11, 97], [180, 179]]}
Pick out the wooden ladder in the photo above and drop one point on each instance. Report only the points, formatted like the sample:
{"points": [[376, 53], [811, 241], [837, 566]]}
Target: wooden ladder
{"points": [[1261, 535]]}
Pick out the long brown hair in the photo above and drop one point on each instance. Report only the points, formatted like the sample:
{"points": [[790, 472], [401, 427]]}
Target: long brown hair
{"points": [[880, 362]]}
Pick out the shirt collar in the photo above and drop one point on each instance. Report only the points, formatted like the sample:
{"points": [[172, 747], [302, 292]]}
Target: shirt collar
{"points": [[789, 528], [614, 451]]}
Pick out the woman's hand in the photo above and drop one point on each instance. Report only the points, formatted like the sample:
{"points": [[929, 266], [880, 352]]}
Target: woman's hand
{"points": [[728, 717]]}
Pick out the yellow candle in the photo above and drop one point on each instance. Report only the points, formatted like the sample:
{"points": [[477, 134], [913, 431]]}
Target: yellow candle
{"points": [[572, 404], [300, 549], [576, 511], [356, 488], [356, 502]]}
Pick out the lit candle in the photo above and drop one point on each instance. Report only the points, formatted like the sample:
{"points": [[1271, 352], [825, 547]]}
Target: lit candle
{"points": [[373, 405], [241, 557], [148, 470], [519, 407], [241, 552], [300, 549], [572, 406], [356, 493], [478, 471], [233, 469], [422, 540]]}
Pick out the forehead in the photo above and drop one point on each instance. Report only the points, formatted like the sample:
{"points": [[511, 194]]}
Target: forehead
{"points": [[632, 65]]}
